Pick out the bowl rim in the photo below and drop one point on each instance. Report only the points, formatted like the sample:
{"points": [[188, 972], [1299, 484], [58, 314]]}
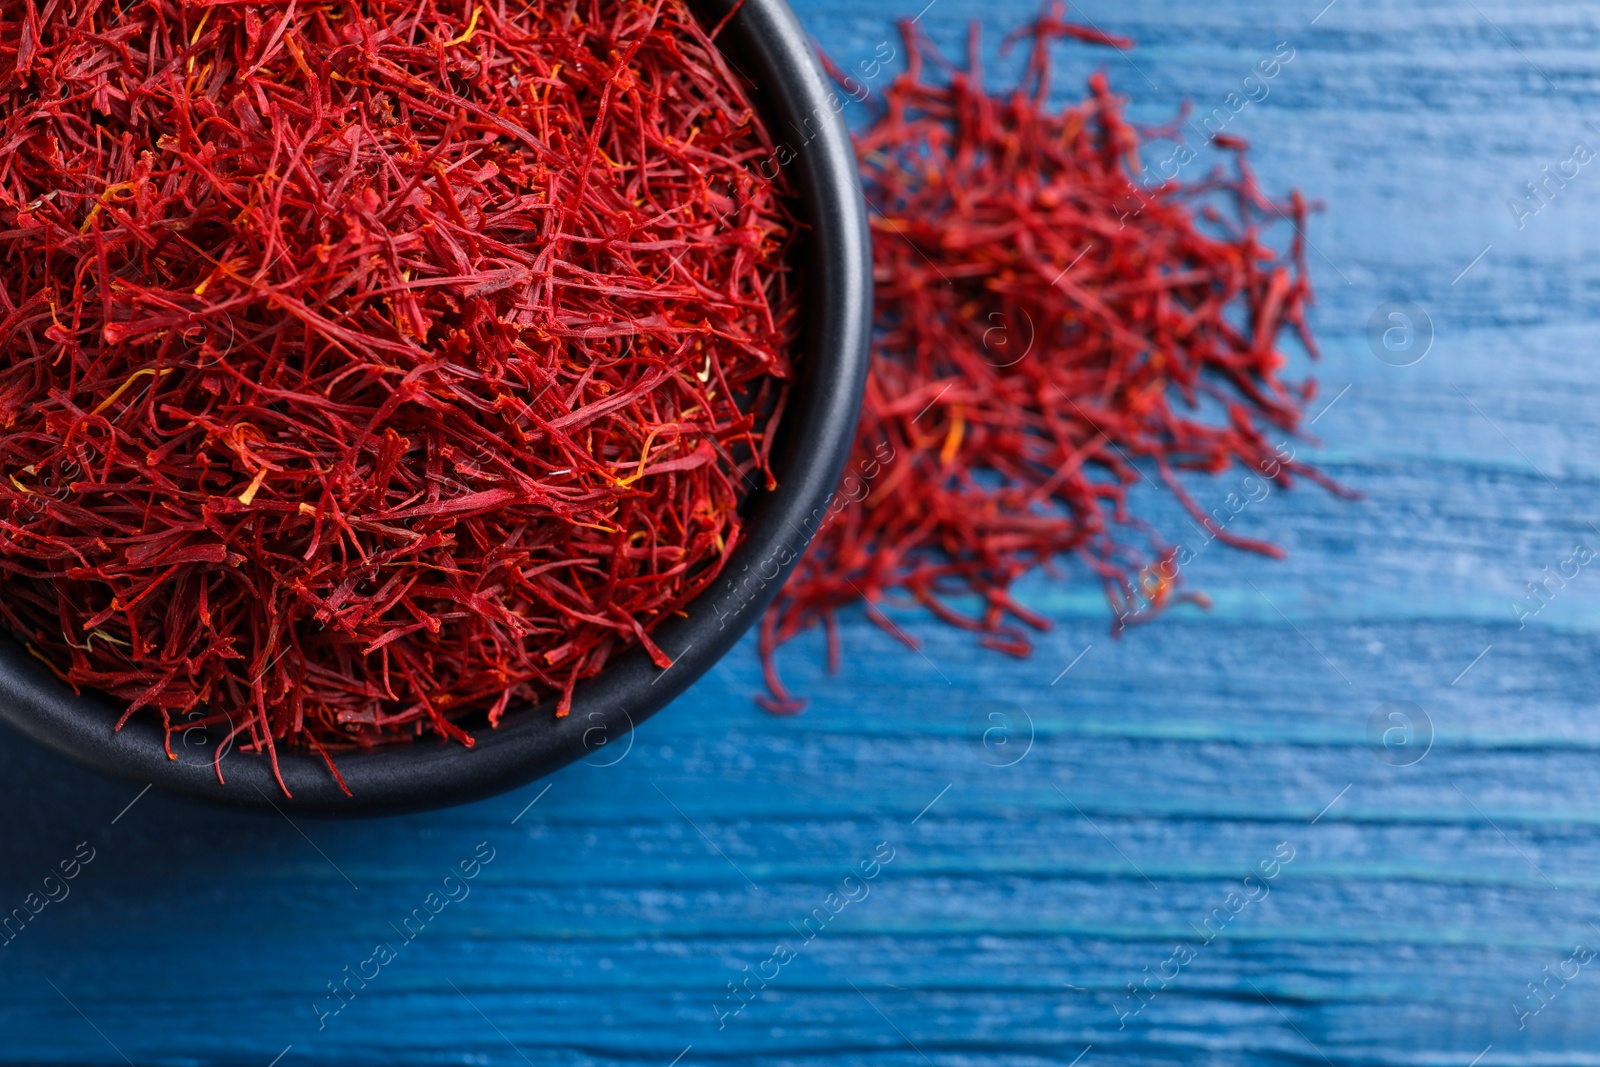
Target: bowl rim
{"points": [[766, 45]]}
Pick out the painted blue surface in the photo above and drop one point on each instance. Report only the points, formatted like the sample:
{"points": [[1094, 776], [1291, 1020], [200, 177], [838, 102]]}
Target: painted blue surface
{"points": [[1021, 900]]}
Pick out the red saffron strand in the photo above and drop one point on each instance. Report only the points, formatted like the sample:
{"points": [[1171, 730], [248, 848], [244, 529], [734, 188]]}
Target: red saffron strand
{"points": [[1052, 327], [371, 365]]}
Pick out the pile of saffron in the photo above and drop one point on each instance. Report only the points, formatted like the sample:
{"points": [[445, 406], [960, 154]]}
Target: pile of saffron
{"points": [[367, 365], [1053, 325]]}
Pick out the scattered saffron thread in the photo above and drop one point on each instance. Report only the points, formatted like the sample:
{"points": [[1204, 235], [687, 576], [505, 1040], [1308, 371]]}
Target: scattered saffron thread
{"points": [[1156, 307]]}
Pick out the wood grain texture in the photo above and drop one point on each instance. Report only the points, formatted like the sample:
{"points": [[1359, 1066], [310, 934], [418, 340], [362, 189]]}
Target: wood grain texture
{"points": [[1162, 769]]}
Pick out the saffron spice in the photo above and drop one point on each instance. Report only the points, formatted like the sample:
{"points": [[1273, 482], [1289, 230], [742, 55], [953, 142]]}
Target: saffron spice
{"points": [[1053, 326], [370, 365]]}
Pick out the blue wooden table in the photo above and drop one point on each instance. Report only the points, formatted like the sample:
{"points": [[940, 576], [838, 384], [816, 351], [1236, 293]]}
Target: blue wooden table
{"points": [[1211, 842]]}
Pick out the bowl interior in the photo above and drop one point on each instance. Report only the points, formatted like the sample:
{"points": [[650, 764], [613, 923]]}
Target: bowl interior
{"points": [[767, 47]]}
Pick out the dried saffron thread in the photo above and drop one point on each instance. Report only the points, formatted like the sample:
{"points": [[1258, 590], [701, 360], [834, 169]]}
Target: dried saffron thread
{"points": [[371, 365], [1049, 331]]}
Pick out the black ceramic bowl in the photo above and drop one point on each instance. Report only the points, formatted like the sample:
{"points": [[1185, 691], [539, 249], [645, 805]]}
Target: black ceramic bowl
{"points": [[766, 45]]}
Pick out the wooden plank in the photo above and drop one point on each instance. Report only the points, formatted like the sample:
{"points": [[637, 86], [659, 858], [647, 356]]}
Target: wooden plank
{"points": [[1163, 768]]}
